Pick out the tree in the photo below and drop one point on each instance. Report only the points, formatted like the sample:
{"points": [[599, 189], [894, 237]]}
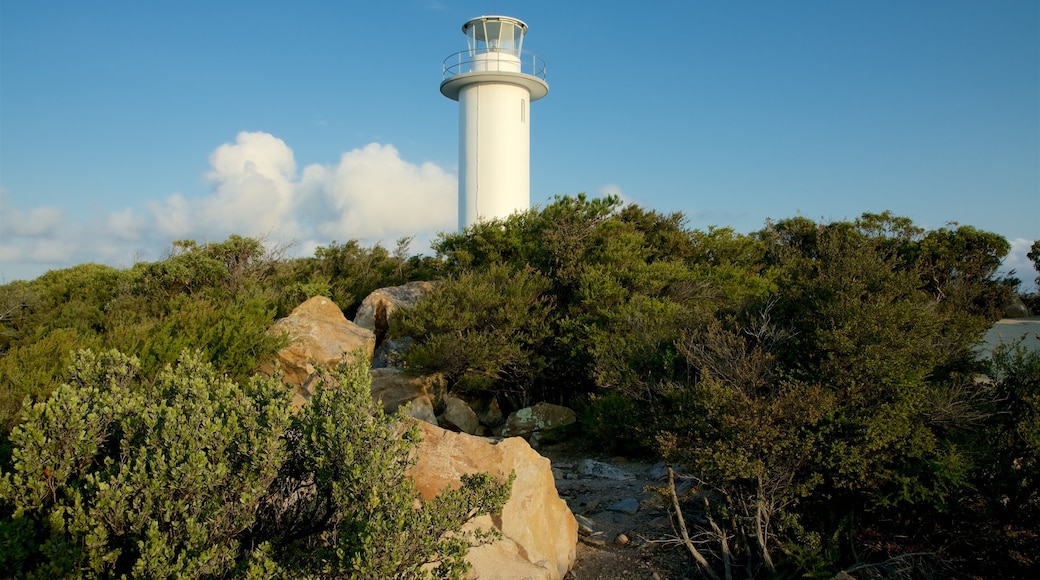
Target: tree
{"points": [[839, 392]]}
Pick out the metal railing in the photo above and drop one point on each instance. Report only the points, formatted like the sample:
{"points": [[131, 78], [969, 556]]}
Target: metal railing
{"points": [[468, 61]]}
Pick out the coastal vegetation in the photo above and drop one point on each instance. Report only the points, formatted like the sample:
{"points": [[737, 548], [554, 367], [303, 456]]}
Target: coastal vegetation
{"points": [[819, 381]]}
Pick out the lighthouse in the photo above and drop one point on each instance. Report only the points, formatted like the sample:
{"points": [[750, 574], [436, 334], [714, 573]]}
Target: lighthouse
{"points": [[494, 81]]}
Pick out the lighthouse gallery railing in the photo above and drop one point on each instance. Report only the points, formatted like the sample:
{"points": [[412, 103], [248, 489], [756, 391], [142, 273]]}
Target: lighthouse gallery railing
{"points": [[468, 61]]}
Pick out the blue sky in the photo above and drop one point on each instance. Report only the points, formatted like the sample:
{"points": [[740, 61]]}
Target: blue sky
{"points": [[127, 125]]}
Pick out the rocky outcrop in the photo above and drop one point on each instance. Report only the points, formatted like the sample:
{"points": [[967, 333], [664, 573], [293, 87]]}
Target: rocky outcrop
{"points": [[540, 417], [539, 531], [318, 334], [376, 309], [393, 388]]}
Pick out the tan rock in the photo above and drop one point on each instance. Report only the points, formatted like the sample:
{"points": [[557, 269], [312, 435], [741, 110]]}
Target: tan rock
{"points": [[376, 309], [393, 388], [458, 415], [539, 531], [318, 334]]}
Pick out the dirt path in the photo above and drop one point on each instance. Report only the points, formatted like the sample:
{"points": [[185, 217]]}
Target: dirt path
{"points": [[623, 527]]}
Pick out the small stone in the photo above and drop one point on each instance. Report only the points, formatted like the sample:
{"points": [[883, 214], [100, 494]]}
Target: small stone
{"points": [[585, 525], [603, 470], [535, 440], [660, 522], [629, 505]]}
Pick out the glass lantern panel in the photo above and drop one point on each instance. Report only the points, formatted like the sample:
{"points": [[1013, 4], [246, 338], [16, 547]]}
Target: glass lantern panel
{"points": [[493, 34]]}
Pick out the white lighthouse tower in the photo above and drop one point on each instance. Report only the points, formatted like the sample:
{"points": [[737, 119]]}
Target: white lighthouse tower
{"points": [[494, 82]]}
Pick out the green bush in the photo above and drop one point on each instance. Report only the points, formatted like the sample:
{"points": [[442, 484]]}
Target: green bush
{"points": [[192, 475], [114, 475], [353, 272], [353, 508], [1012, 436], [483, 330]]}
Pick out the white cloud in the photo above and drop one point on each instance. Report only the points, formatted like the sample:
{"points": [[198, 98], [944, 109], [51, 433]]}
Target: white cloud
{"points": [[1023, 267], [171, 217], [374, 194], [613, 189], [371, 194], [125, 224], [39, 221]]}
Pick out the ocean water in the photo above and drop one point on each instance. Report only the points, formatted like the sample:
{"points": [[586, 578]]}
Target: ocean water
{"points": [[1010, 330]]}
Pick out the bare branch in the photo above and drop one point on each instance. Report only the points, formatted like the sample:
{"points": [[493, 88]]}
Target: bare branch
{"points": [[685, 533]]}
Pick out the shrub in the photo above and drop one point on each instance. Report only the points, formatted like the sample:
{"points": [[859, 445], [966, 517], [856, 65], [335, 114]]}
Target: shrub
{"points": [[352, 507], [114, 475], [483, 331], [192, 475]]}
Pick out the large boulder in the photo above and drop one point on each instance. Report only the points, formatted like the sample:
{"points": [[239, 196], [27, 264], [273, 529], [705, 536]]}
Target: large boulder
{"points": [[1016, 309], [318, 334], [393, 388], [375, 310], [539, 417], [539, 532]]}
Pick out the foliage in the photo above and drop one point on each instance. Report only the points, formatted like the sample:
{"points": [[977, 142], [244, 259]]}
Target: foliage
{"points": [[1012, 435], [232, 333], [832, 396], [115, 475], [193, 475], [819, 378], [482, 330], [348, 272], [622, 281], [351, 506]]}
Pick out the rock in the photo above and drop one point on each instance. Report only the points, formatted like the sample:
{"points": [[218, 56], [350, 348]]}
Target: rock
{"points": [[539, 532], [393, 388], [458, 415], [486, 407], [375, 310], [318, 334], [660, 522], [390, 352], [629, 505], [1016, 309], [540, 417], [593, 468], [659, 471], [585, 525]]}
